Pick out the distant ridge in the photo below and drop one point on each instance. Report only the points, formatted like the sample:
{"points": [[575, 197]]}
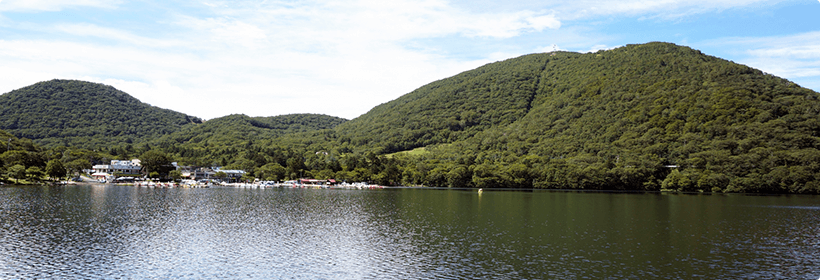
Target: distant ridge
{"points": [[241, 128]]}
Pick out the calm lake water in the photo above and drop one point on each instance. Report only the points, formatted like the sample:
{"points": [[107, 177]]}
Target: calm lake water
{"points": [[128, 232]]}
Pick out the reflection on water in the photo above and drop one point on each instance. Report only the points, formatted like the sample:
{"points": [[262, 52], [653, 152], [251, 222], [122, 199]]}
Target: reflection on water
{"points": [[119, 232]]}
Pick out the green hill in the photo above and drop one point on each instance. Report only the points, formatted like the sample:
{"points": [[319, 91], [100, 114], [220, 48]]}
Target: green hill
{"points": [[244, 128], [451, 109], [84, 114], [653, 116], [641, 117], [230, 139]]}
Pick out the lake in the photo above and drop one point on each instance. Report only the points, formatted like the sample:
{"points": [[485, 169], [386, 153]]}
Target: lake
{"points": [[403, 233]]}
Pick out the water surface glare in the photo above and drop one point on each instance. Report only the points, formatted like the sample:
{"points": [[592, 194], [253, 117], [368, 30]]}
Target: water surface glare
{"points": [[128, 232]]}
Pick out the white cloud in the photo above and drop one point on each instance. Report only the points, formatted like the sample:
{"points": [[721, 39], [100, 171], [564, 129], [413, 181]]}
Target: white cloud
{"points": [[91, 30], [584, 9], [596, 48], [540, 22], [227, 31], [811, 51], [53, 5], [795, 57], [387, 20], [268, 58], [506, 25], [337, 58], [219, 83]]}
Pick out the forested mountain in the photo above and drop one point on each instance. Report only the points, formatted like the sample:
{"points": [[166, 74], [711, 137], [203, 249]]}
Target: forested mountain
{"points": [[654, 116], [451, 109], [84, 114], [641, 117]]}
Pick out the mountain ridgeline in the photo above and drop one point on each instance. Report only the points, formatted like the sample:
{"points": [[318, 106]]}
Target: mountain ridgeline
{"points": [[84, 114], [654, 116], [228, 140], [641, 117]]}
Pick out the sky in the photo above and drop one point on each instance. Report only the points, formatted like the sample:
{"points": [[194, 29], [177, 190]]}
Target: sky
{"points": [[341, 58]]}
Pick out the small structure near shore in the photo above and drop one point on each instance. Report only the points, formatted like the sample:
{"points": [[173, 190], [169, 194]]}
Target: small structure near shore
{"points": [[119, 167]]}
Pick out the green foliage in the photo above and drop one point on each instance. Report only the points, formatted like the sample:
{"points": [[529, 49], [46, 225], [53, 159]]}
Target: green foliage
{"points": [[55, 169], [271, 172], [35, 172], [449, 110], [54, 162], [16, 172], [156, 161], [83, 114], [642, 117], [654, 116], [175, 174], [247, 143], [247, 177], [77, 165], [459, 177]]}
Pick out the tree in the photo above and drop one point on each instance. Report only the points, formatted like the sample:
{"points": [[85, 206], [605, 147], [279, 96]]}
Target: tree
{"points": [[35, 172], [221, 175], [271, 172], [78, 165], [295, 167], [459, 177], [485, 176], [676, 180], [175, 174], [17, 172], [156, 161], [55, 169], [248, 177], [14, 157], [242, 164]]}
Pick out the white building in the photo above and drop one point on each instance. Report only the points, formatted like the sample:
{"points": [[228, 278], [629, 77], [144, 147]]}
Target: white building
{"points": [[210, 173], [123, 167], [233, 175]]}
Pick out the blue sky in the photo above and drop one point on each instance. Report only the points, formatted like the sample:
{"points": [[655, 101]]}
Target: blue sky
{"points": [[265, 58]]}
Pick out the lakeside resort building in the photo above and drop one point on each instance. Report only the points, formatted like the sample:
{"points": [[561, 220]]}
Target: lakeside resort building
{"points": [[119, 167], [133, 168], [231, 175]]}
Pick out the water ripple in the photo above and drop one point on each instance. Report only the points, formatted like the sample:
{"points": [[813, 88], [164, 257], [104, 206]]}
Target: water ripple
{"points": [[124, 232]]}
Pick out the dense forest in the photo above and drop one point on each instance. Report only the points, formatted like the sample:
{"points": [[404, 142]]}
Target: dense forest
{"points": [[227, 140], [22, 159], [644, 117], [84, 114], [654, 116]]}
